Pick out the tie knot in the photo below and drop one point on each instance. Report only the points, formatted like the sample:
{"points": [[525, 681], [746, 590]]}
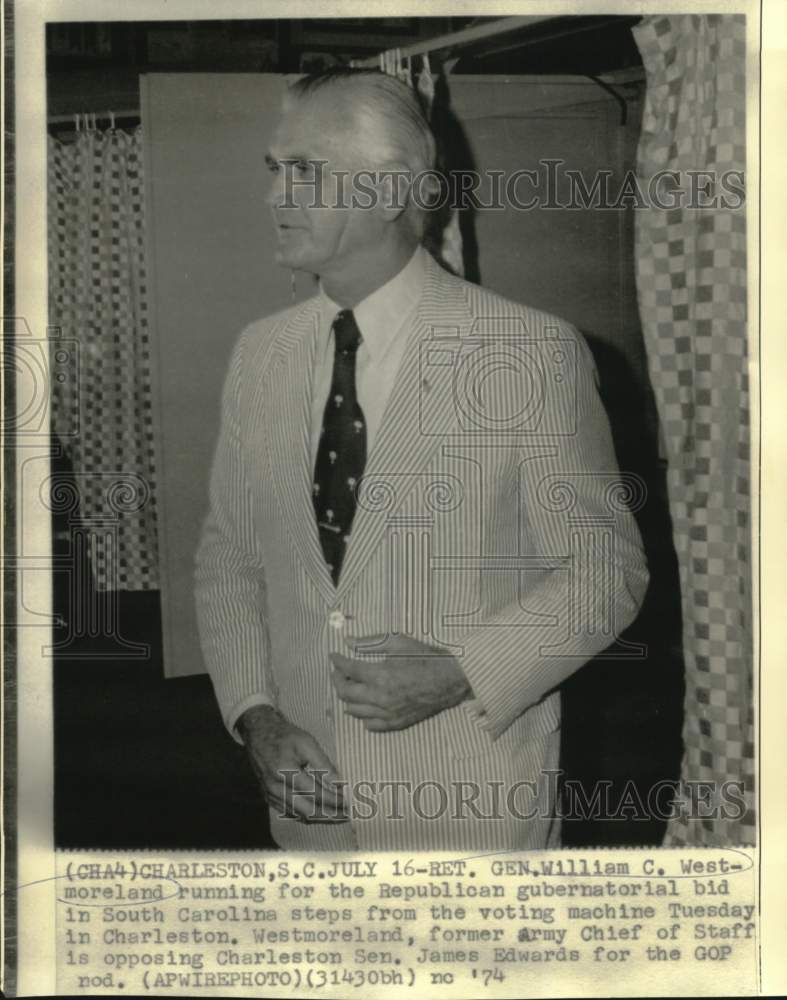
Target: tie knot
{"points": [[346, 332]]}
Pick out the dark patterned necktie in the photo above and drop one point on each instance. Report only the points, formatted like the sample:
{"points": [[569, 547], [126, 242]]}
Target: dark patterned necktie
{"points": [[341, 455]]}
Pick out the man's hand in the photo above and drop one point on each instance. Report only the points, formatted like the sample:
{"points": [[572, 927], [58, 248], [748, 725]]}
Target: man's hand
{"points": [[413, 682], [295, 775]]}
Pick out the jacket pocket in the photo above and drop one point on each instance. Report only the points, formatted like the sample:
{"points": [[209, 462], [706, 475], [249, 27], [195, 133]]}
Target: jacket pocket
{"points": [[467, 737]]}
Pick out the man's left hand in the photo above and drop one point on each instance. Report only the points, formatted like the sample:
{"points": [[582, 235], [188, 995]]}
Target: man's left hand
{"points": [[413, 682]]}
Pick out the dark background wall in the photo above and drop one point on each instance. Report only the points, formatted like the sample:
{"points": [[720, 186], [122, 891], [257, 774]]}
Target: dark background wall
{"points": [[96, 66]]}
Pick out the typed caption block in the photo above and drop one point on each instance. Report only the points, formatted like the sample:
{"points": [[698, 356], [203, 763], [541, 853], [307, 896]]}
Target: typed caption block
{"points": [[600, 923]]}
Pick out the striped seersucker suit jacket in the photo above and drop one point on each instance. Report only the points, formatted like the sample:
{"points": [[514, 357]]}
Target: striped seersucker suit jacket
{"points": [[492, 521]]}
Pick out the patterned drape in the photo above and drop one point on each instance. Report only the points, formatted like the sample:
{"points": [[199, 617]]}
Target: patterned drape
{"points": [[97, 292], [691, 279]]}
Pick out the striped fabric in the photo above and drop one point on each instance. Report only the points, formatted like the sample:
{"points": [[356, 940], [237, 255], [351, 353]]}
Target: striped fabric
{"points": [[492, 521]]}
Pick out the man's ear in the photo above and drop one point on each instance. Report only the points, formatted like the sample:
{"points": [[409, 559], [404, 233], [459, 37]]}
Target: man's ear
{"points": [[394, 186]]}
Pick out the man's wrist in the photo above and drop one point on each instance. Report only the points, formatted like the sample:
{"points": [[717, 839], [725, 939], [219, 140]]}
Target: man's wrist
{"points": [[257, 717], [464, 690]]}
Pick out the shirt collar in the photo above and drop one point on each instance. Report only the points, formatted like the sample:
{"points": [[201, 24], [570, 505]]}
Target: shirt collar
{"points": [[381, 315]]}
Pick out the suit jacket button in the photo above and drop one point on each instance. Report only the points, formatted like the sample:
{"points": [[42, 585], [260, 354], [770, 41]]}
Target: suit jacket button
{"points": [[336, 619]]}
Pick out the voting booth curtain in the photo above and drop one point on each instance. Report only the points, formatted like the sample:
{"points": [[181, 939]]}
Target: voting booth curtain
{"points": [[691, 282], [100, 355]]}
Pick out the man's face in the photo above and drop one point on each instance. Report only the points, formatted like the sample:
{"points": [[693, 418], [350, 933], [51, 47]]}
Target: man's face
{"points": [[322, 240]]}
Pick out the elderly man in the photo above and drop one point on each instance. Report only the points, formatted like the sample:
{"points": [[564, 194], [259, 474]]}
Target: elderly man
{"points": [[415, 531]]}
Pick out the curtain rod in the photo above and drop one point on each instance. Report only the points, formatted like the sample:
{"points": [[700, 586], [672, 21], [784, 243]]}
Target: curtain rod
{"points": [[463, 37], [99, 115]]}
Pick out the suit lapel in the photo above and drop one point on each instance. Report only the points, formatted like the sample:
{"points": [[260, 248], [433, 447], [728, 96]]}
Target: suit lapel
{"points": [[417, 417], [287, 395]]}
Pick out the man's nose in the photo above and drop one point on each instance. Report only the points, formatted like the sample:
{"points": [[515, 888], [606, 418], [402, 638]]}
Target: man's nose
{"points": [[274, 195], [282, 195]]}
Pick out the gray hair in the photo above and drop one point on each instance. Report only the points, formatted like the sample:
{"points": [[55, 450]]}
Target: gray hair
{"points": [[385, 108]]}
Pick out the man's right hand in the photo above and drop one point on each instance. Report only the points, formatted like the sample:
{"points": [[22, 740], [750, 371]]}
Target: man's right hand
{"points": [[295, 774]]}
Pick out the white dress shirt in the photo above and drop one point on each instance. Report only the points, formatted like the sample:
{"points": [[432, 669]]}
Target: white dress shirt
{"points": [[384, 319]]}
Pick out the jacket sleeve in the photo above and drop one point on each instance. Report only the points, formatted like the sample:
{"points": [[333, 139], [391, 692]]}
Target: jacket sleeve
{"points": [[593, 575], [230, 578]]}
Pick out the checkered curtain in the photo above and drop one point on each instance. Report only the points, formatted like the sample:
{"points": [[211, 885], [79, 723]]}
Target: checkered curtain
{"points": [[101, 412], [691, 280]]}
